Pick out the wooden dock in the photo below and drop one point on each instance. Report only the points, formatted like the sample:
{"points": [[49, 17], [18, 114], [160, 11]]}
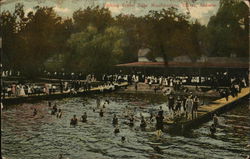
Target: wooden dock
{"points": [[56, 95], [206, 112]]}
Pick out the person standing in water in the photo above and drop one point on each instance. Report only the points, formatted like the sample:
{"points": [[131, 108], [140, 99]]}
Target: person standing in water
{"points": [[212, 129], [34, 112], [73, 121], [84, 117], [131, 121], [115, 120], [143, 122], [117, 130], [101, 113], [215, 120], [54, 110], [59, 113], [98, 102]]}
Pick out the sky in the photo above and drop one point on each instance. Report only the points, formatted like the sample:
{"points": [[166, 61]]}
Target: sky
{"points": [[201, 10]]}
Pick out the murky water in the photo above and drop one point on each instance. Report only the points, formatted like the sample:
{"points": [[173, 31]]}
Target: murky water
{"points": [[45, 137]]}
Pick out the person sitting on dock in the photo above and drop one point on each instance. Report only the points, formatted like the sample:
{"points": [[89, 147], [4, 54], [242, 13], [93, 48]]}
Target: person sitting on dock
{"points": [[212, 129], [84, 117], [73, 121], [59, 113], [115, 120], [101, 113]]}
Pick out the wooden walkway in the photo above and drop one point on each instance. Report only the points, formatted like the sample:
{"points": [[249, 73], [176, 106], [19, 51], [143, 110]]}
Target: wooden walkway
{"points": [[206, 112], [99, 89]]}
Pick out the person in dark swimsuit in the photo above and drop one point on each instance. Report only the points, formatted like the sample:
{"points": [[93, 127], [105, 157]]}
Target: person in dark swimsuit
{"points": [[131, 120], [115, 120], [73, 121], [84, 117], [212, 129], [34, 112], [101, 113], [117, 130], [143, 122]]}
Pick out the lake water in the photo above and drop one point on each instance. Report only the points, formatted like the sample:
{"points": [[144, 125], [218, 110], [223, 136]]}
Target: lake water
{"points": [[45, 136]]}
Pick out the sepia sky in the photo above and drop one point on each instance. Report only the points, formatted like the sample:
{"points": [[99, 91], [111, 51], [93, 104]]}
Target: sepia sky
{"points": [[198, 9]]}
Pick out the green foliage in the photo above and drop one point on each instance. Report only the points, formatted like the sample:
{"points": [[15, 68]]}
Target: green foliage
{"points": [[96, 16], [227, 31], [93, 41], [93, 51]]}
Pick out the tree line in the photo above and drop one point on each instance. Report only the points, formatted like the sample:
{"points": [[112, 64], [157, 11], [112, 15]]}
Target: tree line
{"points": [[94, 41]]}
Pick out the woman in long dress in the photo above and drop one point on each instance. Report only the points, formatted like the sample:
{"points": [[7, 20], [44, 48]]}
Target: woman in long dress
{"points": [[189, 107], [22, 92]]}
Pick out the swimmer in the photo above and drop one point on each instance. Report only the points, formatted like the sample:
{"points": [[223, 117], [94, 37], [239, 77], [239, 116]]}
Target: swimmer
{"points": [[49, 103], [101, 113], [160, 111], [115, 120], [212, 129], [54, 110], [151, 117], [215, 120], [60, 156], [117, 130], [73, 121], [143, 122], [59, 113], [34, 112], [131, 120], [84, 117], [123, 138]]}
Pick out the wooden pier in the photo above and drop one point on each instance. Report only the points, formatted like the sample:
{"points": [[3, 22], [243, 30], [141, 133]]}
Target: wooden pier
{"points": [[206, 112], [57, 95]]}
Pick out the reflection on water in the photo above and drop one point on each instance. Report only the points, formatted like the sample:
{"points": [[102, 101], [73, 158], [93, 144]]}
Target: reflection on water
{"points": [[45, 137]]}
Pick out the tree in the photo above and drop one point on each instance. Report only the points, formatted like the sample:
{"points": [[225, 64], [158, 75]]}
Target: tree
{"points": [[95, 52], [227, 31], [38, 40], [168, 34], [98, 17]]}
